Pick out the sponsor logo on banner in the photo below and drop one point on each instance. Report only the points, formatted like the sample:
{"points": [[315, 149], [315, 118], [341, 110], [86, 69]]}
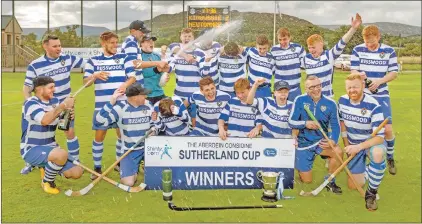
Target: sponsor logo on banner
{"points": [[210, 163]]}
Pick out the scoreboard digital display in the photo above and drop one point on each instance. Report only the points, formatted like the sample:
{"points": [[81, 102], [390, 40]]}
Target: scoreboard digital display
{"points": [[200, 17]]}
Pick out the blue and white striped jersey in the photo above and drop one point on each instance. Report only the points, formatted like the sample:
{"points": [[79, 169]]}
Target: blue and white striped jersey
{"points": [[287, 64], [211, 68], [130, 47], [376, 65], [59, 69], [325, 111], [322, 67], [260, 66], [33, 133], [231, 69], [120, 67], [177, 125], [274, 118], [360, 119], [241, 118], [208, 112], [187, 74], [133, 122]]}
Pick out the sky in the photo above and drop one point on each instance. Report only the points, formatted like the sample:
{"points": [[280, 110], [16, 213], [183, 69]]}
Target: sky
{"points": [[33, 14]]}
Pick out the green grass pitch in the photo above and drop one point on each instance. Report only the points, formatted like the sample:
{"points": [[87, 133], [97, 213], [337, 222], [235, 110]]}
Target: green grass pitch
{"points": [[24, 201]]}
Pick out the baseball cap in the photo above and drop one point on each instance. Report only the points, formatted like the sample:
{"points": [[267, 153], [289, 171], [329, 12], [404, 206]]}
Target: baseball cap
{"points": [[136, 89], [148, 37], [281, 85], [139, 25]]}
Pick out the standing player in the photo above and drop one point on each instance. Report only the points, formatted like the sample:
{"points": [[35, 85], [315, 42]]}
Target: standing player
{"points": [[210, 49], [240, 116], [261, 64], [320, 63], [109, 71], [137, 30], [171, 116], [133, 117], [57, 66], [287, 56], [378, 64], [38, 143], [360, 114], [209, 103], [310, 140], [274, 111]]}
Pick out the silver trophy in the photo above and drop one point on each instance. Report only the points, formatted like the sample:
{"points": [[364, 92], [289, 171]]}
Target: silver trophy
{"points": [[269, 180]]}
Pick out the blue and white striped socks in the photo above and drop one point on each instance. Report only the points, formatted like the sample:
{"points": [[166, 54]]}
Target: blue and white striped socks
{"points": [[73, 148], [390, 148], [375, 172], [119, 151], [97, 153], [51, 171]]}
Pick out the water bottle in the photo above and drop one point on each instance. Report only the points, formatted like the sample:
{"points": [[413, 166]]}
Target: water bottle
{"points": [[166, 185], [64, 120]]}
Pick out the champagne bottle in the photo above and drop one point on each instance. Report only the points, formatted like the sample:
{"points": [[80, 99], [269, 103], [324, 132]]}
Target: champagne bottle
{"points": [[64, 120], [368, 82]]}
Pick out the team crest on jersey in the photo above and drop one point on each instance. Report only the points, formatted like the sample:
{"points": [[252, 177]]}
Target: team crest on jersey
{"points": [[253, 110], [323, 108], [219, 104], [363, 111], [306, 105], [62, 62], [145, 111], [382, 55], [293, 49], [269, 59], [117, 60]]}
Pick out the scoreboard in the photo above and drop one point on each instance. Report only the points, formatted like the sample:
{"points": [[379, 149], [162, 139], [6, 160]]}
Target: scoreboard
{"points": [[205, 17]]}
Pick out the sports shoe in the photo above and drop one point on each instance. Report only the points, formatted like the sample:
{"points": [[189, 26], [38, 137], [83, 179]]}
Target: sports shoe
{"points": [[332, 186], [98, 170], [49, 187], [371, 199], [391, 166], [27, 169], [117, 168]]}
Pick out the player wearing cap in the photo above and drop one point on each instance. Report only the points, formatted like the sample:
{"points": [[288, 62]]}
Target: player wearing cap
{"points": [[133, 117], [274, 111]]}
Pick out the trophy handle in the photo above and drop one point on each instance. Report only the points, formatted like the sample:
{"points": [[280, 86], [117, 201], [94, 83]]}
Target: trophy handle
{"points": [[259, 176]]}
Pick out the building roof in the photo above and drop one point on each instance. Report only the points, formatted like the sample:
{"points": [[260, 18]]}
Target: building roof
{"points": [[5, 19]]}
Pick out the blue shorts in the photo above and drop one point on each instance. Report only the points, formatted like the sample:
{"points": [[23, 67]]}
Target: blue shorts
{"points": [[100, 127], [262, 92], [38, 156], [192, 111], [129, 165], [304, 158], [293, 94], [385, 107], [358, 164]]}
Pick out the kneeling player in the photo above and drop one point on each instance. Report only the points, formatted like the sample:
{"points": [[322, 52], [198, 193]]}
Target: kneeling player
{"points": [[311, 141], [360, 114], [171, 116], [240, 116], [38, 144], [274, 111], [133, 117]]}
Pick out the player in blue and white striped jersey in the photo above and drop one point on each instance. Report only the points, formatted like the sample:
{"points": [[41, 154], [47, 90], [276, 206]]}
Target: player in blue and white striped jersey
{"points": [[287, 56], [38, 142], [231, 66], [209, 102], [274, 111], [109, 71], [240, 116], [134, 118], [360, 114], [130, 46], [57, 66], [378, 64], [209, 65], [261, 64], [311, 141], [171, 116], [320, 63]]}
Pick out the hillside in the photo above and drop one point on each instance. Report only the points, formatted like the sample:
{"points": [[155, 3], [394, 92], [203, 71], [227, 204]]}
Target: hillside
{"points": [[394, 29], [88, 30]]}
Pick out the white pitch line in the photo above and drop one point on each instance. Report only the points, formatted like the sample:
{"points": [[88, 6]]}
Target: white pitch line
{"points": [[10, 104]]}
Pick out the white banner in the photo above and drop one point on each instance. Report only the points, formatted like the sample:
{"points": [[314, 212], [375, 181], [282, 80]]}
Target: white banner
{"points": [[209, 162], [90, 52]]}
